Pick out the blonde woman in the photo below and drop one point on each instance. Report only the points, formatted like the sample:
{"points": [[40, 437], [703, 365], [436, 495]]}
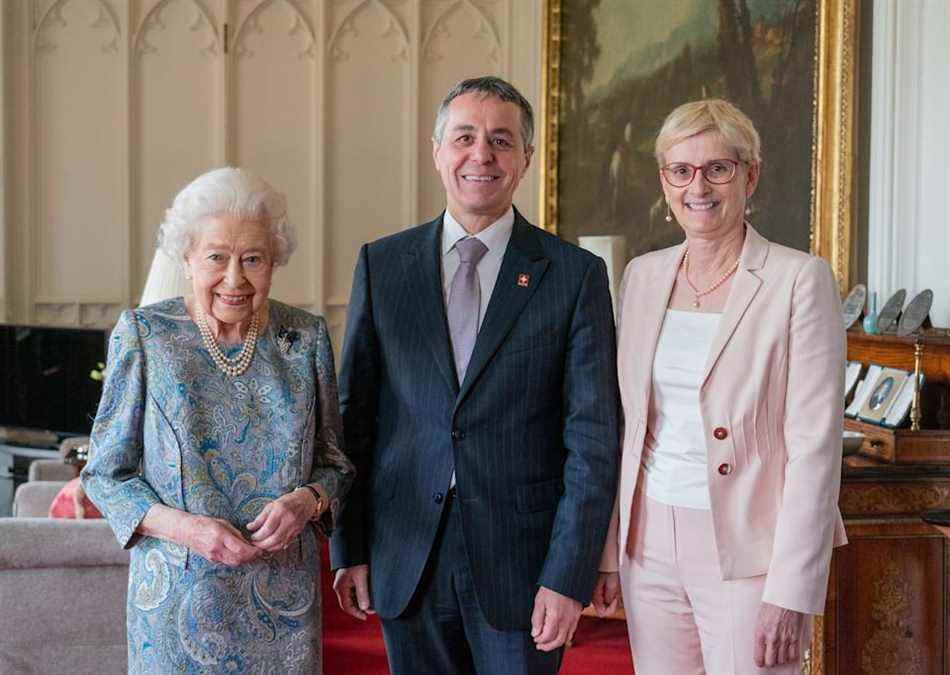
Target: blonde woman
{"points": [[730, 359]]}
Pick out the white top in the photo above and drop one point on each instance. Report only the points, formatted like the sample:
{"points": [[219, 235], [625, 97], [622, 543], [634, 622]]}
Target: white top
{"points": [[674, 455], [496, 237]]}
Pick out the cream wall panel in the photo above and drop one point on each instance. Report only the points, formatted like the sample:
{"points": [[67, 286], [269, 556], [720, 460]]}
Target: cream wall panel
{"points": [[176, 56], [127, 100], [76, 47], [4, 215], [273, 87], [461, 40], [367, 75]]}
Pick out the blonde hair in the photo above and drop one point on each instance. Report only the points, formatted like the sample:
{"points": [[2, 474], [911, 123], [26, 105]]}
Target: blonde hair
{"points": [[711, 114]]}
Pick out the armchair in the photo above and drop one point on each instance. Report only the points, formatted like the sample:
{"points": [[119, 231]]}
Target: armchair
{"points": [[62, 588]]}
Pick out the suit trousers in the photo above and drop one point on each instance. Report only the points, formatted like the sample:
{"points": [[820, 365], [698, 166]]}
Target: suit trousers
{"points": [[443, 630], [682, 617]]}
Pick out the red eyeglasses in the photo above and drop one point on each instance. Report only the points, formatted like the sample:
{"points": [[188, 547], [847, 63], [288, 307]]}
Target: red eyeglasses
{"points": [[716, 171]]}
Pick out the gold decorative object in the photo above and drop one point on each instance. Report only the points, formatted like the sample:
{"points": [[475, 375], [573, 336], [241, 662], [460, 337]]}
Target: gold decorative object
{"points": [[890, 649], [833, 122], [915, 406]]}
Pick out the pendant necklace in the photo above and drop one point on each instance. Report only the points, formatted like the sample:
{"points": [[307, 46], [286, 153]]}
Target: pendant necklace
{"points": [[698, 293]]}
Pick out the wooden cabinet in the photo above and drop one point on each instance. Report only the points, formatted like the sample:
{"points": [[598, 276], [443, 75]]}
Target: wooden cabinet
{"points": [[887, 609]]}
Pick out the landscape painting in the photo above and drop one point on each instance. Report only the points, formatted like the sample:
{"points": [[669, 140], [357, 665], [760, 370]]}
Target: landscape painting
{"points": [[623, 65]]}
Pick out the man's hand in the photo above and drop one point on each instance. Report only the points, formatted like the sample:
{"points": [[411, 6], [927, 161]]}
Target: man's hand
{"points": [[554, 619], [778, 632], [352, 590], [606, 593]]}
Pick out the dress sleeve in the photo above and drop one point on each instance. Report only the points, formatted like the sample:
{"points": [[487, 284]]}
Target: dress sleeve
{"points": [[332, 470], [112, 478]]}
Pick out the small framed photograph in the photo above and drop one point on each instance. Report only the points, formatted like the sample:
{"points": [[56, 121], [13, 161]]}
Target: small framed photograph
{"points": [[900, 407], [852, 371], [863, 390], [881, 394]]}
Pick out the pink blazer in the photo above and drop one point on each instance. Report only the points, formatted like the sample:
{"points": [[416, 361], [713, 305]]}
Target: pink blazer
{"points": [[772, 403]]}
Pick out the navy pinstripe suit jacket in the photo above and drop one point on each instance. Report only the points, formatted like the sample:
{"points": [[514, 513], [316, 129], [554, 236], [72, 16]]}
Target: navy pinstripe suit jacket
{"points": [[532, 431]]}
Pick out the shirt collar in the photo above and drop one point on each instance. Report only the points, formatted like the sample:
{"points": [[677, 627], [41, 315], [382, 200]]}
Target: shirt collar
{"points": [[495, 236]]}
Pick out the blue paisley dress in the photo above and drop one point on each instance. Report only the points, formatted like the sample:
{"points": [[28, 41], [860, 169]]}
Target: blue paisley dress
{"points": [[173, 429]]}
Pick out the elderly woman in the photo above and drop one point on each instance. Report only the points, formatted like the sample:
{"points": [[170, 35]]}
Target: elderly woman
{"points": [[731, 354], [217, 447]]}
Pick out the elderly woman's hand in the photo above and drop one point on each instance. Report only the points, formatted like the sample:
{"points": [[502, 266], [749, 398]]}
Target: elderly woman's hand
{"points": [[778, 635], [218, 541], [281, 520]]}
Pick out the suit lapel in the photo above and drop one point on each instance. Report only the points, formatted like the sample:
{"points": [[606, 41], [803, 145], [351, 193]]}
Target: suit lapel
{"points": [[512, 291], [744, 287], [647, 316], [423, 272]]}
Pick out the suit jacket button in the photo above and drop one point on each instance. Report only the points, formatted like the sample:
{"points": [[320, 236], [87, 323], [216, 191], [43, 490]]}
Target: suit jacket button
{"points": [[457, 435], [725, 469], [720, 433], [438, 497]]}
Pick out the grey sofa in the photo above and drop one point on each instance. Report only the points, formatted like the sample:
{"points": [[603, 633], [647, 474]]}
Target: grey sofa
{"points": [[62, 588]]}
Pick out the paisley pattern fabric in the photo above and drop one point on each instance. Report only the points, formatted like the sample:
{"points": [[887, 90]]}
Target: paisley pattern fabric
{"points": [[173, 429]]}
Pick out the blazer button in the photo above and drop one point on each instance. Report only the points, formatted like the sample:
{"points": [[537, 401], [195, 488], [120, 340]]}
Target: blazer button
{"points": [[720, 433], [457, 435], [438, 497], [725, 469]]}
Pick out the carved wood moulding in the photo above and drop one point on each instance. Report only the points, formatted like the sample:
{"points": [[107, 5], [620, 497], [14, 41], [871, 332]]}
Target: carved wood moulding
{"points": [[907, 499], [891, 648]]}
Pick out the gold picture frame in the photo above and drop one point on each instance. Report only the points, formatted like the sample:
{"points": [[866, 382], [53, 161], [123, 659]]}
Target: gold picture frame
{"points": [[832, 198]]}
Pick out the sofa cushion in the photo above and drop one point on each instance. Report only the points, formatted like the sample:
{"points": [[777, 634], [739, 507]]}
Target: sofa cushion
{"points": [[72, 502]]}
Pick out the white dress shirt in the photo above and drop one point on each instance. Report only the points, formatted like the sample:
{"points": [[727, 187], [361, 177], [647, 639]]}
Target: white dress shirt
{"points": [[496, 237], [674, 454]]}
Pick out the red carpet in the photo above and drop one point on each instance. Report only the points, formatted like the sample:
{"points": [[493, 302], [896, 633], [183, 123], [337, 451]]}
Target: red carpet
{"points": [[352, 647]]}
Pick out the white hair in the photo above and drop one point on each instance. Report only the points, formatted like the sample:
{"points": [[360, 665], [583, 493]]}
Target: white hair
{"points": [[232, 191]]}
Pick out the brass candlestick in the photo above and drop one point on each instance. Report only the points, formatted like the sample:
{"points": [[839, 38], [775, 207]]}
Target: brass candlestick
{"points": [[915, 407]]}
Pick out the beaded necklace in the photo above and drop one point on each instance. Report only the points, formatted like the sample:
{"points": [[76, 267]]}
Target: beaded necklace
{"points": [[242, 361]]}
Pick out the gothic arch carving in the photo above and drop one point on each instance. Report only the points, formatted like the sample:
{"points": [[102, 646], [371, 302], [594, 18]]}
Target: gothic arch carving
{"points": [[251, 23], [393, 27], [153, 21], [105, 18], [484, 30]]}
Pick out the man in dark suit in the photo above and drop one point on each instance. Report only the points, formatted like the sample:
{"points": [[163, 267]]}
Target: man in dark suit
{"points": [[479, 400]]}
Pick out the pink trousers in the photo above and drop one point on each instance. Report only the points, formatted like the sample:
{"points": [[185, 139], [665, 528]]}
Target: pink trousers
{"points": [[683, 619]]}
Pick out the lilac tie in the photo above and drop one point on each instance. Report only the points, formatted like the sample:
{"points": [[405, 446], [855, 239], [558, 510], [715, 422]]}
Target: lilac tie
{"points": [[464, 300]]}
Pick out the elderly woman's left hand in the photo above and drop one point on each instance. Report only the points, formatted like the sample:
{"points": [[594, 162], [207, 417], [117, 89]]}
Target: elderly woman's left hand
{"points": [[778, 634], [281, 520]]}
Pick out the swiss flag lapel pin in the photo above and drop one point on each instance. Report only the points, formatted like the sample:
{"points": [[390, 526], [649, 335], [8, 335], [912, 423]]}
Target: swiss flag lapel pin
{"points": [[524, 279]]}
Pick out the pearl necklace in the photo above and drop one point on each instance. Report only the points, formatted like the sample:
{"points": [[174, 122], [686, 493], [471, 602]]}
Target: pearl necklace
{"points": [[698, 293], [242, 361]]}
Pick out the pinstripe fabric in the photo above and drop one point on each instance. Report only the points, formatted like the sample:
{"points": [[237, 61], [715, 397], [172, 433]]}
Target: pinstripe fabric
{"points": [[535, 447]]}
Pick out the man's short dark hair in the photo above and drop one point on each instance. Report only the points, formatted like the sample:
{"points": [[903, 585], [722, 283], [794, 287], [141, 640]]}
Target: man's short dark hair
{"points": [[487, 86]]}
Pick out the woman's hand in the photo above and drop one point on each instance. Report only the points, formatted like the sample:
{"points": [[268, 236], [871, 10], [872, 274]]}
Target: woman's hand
{"points": [[606, 593], [217, 540], [778, 634], [281, 520]]}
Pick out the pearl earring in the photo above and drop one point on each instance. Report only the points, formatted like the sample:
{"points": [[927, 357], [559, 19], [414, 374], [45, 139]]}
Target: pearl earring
{"points": [[748, 206], [669, 215]]}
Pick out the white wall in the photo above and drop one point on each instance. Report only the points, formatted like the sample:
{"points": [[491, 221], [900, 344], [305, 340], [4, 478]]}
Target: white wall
{"points": [[110, 106], [909, 220]]}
